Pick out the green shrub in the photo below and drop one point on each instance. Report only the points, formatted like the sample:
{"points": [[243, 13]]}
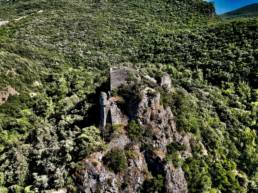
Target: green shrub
{"points": [[28, 189], [117, 130], [89, 141], [116, 160], [187, 118], [58, 73], [2, 181], [3, 190], [130, 154], [198, 175], [135, 131], [156, 184], [175, 158], [175, 146], [16, 189]]}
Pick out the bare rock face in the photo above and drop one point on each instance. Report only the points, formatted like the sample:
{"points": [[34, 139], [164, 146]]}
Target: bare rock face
{"points": [[117, 117], [95, 177], [157, 118], [135, 174], [166, 81], [159, 126], [150, 79], [119, 142], [2, 23], [175, 181], [119, 76], [162, 123]]}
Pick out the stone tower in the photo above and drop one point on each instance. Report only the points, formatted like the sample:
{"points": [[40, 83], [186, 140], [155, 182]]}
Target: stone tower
{"points": [[109, 110]]}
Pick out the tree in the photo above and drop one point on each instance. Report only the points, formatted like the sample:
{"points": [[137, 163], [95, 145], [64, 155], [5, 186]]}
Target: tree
{"points": [[116, 160], [89, 141]]}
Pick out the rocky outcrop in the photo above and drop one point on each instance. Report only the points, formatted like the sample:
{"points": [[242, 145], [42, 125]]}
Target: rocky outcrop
{"points": [[119, 76], [159, 125], [158, 119], [116, 115], [175, 181], [136, 172], [119, 142], [166, 81], [2, 23], [6, 93], [95, 177], [161, 121]]}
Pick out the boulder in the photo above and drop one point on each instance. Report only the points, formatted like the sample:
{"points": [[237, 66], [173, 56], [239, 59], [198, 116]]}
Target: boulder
{"points": [[6, 93], [166, 81]]}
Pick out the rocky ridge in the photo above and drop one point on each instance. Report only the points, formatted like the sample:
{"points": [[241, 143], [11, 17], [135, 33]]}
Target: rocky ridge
{"points": [[159, 122]]}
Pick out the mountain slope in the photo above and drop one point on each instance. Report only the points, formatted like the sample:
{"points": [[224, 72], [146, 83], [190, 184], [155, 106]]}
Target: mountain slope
{"points": [[246, 11], [57, 56]]}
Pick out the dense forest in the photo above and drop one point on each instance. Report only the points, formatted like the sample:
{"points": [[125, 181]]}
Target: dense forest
{"points": [[55, 58]]}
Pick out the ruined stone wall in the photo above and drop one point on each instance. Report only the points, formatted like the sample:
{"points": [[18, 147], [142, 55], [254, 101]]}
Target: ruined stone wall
{"points": [[108, 105]]}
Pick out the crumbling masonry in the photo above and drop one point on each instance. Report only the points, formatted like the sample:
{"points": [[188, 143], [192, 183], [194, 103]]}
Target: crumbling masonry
{"points": [[109, 110]]}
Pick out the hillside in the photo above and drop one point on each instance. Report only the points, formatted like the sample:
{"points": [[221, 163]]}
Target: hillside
{"points": [[185, 117], [246, 11]]}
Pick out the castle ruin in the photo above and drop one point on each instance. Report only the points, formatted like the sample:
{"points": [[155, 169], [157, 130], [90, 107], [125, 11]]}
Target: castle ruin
{"points": [[109, 110]]}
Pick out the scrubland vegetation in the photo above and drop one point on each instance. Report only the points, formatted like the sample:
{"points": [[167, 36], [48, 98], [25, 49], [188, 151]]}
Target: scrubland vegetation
{"points": [[58, 57]]}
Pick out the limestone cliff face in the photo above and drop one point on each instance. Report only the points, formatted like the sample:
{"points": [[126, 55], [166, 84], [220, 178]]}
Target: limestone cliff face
{"points": [[148, 160], [96, 177], [161, 121]]}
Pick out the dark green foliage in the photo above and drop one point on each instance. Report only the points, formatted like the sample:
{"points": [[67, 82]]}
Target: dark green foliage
{"points": [[57, 59], [206, 175], [135, 131], [174, 158], [198, 175], [175, 146], [224, 176], [116, 160], [187, 118], [173, 154], [89, 141], [155, 184]]}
